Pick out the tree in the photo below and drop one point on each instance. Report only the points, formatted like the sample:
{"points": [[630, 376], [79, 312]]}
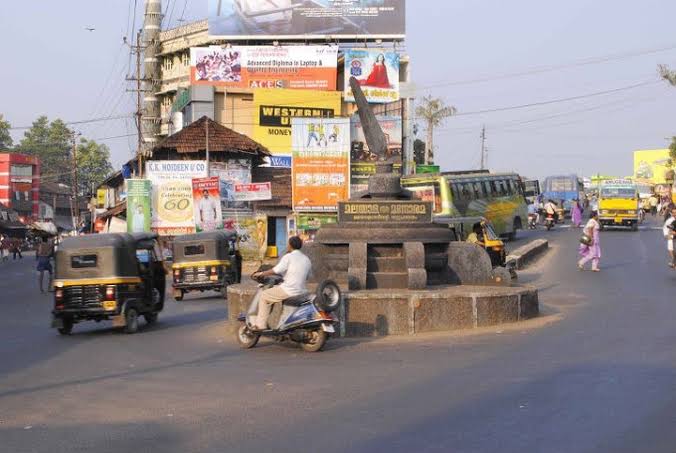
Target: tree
{"points": [[5, 137], [433, 111], [670, 77], [93, 164], [51, 143], [419, 152]]}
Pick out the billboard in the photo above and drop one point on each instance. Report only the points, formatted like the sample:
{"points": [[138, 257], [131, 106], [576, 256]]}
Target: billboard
{"points": [[252, 232], [266, 19], [652, 165], [274, 110], [377, 71], [206, 199], [259, 191], [172, 200], [362, 160], [294, 67], [230, 173], [321, 161], [138, 205]]}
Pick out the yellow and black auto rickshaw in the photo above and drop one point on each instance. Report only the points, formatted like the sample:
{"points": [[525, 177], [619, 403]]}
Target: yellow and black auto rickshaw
{"points": [[116, 277], [205, 261]]}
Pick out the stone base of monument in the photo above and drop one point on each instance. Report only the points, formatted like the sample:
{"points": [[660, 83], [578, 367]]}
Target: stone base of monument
{"points": [[408, 312]]}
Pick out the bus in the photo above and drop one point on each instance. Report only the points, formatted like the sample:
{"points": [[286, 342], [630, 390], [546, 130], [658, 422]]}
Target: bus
{"points": [[498, 197], [619, 204], [531, 190], [563, 187]]}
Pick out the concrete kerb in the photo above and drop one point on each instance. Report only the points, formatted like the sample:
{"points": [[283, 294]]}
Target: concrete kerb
{"points": [[528, 253], [408, 312]]}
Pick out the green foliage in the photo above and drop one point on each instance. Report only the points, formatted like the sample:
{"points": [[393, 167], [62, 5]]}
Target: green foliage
{"points": [[93, 161], [50, 142], [433, 111], [5, 137]]}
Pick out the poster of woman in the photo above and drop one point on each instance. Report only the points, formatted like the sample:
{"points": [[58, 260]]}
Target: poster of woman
{"points": [[376, 70]]}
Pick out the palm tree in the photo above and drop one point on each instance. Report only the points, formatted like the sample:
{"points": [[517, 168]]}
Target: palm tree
{"points": [[434, 111]]}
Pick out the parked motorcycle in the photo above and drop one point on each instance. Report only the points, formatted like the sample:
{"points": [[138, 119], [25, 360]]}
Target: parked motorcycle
{"points": [[306, 319]]}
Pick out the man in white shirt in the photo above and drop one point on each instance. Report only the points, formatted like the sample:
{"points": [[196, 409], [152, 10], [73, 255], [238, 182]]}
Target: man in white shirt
{"points": [[138, 220], [295, 267], [208, 209], [668, 231]]}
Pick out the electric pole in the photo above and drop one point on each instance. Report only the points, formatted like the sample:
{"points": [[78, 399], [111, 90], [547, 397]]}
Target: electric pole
{"points": [[137, 49], [483, 147], [76, 195]]}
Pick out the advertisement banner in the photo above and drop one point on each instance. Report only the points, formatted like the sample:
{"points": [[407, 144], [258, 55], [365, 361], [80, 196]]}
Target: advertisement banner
{"points": [[377, 72], [293, 67], [138, 205], [652, 165], [101, 198], [260, 191], [362, 160], [307, 225], [206, 199], [266, 19], [172, 200], [320, 167], [230, 173], [274, 110], [252, 232]]}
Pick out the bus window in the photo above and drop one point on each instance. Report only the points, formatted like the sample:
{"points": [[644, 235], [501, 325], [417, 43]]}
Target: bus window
{"points": [[455, 191], [487, 188], [478, 191]]}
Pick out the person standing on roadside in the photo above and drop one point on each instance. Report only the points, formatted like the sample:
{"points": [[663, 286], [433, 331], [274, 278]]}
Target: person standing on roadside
{"points": [[591, 252], [2, 247], [653, 202], [669, 231], [43, 255], [576, 213], [16, 249]]}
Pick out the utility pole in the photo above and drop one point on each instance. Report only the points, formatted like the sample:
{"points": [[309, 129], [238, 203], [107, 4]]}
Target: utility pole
{"points": [[76, 196], [137, 49], [483, 147], [206, 125]]}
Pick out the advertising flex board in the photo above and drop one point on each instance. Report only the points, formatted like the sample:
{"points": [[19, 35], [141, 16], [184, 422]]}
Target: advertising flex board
{"points": [[172, 199], [259, 191], [230, 173], [207, 204], [377, 72], [362, 160], [651, 165], [274, 110], [252, 233], [321, 163], [138, 205], [294, 67], [266, 19]]}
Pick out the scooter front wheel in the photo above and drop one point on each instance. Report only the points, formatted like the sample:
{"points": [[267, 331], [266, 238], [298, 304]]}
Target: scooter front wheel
{"points": [[246, 338], [315, 341]]}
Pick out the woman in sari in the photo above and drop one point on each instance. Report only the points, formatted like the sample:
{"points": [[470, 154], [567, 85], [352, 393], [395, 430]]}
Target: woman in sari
{"points": [[576, 213], [591, 252]]}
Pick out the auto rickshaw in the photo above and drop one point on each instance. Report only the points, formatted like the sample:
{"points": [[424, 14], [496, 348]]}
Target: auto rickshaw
{"points": [[205, 261], [117, 276]]}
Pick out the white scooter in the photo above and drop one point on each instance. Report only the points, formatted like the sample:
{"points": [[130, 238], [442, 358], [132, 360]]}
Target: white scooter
{"points": [[305, 319]]}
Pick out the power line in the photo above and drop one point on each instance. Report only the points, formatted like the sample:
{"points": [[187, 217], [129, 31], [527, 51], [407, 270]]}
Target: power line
{"points": [[70, 123]]}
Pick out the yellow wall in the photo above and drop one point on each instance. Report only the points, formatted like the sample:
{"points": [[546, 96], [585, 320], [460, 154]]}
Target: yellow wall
{"points": [[651, 165]]}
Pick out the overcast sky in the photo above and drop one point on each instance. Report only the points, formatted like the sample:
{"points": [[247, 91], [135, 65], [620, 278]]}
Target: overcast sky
{"points": [[476, 55]]}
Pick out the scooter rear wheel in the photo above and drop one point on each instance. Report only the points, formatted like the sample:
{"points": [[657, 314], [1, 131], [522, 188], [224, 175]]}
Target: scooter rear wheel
{"points": [[315, 341], [246, 338]]}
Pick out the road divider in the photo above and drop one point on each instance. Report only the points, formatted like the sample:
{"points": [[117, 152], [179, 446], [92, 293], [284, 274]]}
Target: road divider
{"points": [[527, 254]]}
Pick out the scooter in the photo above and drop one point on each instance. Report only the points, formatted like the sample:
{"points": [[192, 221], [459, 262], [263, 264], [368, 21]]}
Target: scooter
{"points": [[306, 319], [532, 221], [549, 221]]}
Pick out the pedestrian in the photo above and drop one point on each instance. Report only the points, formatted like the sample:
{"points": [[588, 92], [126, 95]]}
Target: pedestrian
{"points": [[592, 250], [3, 246], [652, 202], [16, 249], [576, 213], [594, 204], [43, 255]]}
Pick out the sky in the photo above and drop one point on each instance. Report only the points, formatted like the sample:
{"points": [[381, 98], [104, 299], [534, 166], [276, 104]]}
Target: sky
{"points": [[490, 59]]}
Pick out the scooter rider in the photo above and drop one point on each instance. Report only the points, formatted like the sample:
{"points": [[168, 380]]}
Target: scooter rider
{"points": [[295, 267], [550, 210]]}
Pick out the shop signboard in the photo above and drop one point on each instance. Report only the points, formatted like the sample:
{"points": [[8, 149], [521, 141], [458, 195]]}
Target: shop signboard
{"points": [[321, 163], [316, 19], [207, 204], [293, 67], [172, 194], [377, 72], [274, 110], [138, 205]]}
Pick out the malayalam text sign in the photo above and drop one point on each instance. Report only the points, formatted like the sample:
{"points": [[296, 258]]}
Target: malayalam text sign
{"points": [[385, 212], [259, 191]]}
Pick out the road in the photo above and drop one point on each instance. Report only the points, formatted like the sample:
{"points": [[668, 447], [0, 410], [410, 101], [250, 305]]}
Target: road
{"points": [[595, 374]]}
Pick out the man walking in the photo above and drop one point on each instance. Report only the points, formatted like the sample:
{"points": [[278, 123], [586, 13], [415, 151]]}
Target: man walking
{"points": [[295, 267], [669, 230], [44, 255]]}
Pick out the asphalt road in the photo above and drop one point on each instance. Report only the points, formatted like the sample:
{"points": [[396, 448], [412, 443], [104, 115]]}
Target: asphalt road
{"points": [[596, 373]]}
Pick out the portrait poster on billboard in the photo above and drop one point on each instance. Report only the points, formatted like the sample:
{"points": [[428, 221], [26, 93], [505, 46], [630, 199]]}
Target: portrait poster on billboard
{"points": [[138, 205], [377, 72], [265, 19], [293, 67], [320, 165], [230, 173], [172, 200], [274, 110], [362, 160], [252, 233], [207, 204]]}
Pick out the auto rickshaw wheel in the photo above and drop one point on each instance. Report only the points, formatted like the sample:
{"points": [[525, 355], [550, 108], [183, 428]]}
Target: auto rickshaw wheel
{"points": [[67, 326], [131, 318], [179, 297], [151, 318]]}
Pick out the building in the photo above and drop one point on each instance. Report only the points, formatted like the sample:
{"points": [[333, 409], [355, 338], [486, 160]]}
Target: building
{"points": [[56, 204], [20, 184]]}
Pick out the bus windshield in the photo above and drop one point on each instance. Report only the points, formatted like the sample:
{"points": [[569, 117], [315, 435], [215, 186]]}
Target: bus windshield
{"points": [[562, 184], [618, 192]]}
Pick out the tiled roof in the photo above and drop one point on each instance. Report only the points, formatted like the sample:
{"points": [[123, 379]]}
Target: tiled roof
{"points": [[192, 139]]}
